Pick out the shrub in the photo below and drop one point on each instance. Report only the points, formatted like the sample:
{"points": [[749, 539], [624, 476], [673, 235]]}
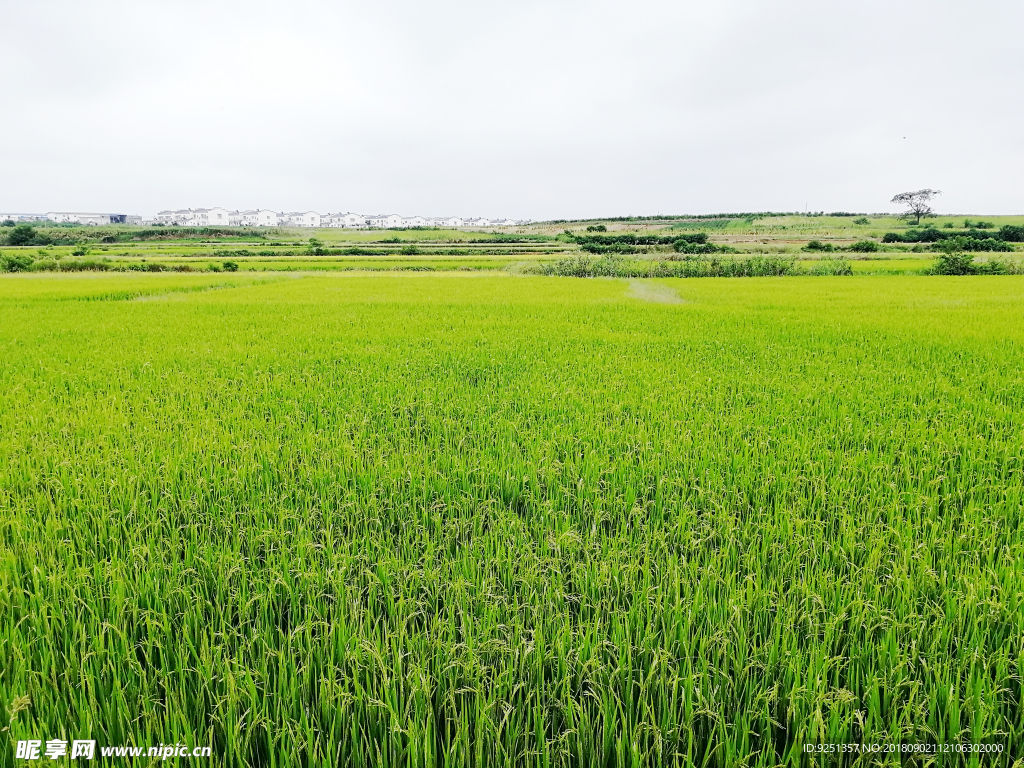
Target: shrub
{"points": [[83, 265], [893, 237], [409, 250], [1011, 234], [991, 244], [967, 243], [926, 235], [861, 220], [955, 259], [22, 234], [864, 246], [688, 247], [7, 223], [46, 265], [597, 228], [949, 225], [817, 245], [954, 263], [18, 262], [230, 266], [81, 250]]}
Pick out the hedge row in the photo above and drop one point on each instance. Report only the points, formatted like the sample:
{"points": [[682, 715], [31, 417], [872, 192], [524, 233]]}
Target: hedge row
{"points": [[1009, 234], [700, 266]]}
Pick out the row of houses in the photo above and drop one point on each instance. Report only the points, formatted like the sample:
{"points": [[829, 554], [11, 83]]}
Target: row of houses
{"points": [[221, 217], [74, 217], [215, 217]]}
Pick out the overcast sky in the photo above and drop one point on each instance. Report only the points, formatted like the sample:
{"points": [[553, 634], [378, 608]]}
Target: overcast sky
{"points": [[552, 109]]}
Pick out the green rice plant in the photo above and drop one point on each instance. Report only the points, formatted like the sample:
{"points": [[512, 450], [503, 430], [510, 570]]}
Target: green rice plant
{"points": [[462, 520]]}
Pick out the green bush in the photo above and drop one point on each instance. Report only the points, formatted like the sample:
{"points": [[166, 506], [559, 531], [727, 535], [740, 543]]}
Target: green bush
{"points": [[597, 228], [17, 262], [818, 246], [7, 223], [630, 243], [688, 247], [991, 244], [864, 246], [22, 234], [230, 266], [861, 220], [954, 263], [84, 265], [1011, 234], [970, 240]]}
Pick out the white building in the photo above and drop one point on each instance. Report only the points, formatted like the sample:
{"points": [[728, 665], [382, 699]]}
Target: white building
{"points": [[260, 218], [218, 217], [90, 219], [181, 218], [414, 221], [346, 220], [386, 221], [300, 219]]}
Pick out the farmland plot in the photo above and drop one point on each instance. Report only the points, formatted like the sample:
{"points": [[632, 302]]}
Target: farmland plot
{"points": [[479, 520]]}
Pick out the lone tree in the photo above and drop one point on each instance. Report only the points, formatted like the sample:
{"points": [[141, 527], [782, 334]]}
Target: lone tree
{"points": [[918, 202], [22, 234]]}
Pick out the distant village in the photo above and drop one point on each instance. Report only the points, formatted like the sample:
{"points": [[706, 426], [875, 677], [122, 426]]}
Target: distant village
{"points": [[222, 217]]}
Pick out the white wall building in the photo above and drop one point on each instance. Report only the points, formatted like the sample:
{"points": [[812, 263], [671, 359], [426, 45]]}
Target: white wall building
{"points": [[181, 218], [222, 217], [261, 218], [218, 217], [346, 220], [300, 219], [90, 219]]}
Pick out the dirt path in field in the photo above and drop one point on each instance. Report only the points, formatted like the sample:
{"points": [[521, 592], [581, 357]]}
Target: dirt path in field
{"points": [[653, 292]]}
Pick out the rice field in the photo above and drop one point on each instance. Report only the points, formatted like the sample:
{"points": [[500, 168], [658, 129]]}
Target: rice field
{"points": [[471, 519]]}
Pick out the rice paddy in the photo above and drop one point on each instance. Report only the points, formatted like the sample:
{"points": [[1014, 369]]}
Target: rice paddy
{"points": [[471, 519]]}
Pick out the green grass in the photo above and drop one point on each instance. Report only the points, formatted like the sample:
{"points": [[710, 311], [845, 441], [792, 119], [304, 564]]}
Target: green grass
{"points": [[469, 519]]}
